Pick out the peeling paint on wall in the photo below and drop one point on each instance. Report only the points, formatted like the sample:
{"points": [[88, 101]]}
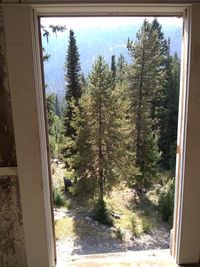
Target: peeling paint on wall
{"points": [[12, 245], [12, 249], [7, 144]]}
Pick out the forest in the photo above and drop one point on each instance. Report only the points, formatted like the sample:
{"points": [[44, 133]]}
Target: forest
{"points": [[118, 126]]}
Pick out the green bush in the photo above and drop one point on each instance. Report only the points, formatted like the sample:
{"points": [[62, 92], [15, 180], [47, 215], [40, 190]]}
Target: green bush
{"points": [[134, 226], [147, 225], [84, 188], [119, 234], [68, 204], [101, 213], [52, 146], [166, 202], [59, 200]]}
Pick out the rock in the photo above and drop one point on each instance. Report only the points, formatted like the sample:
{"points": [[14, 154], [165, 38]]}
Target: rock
{"points": [[132, 238], [56, 161], [116, 216]]}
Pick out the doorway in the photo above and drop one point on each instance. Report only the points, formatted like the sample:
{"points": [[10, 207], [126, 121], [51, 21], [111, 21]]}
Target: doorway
{"points": [[185, 245], [138, 197]]}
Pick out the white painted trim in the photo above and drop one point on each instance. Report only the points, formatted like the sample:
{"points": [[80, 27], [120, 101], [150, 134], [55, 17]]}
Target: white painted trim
{"points": [[8, 171], [188, 241], [181, 137], [29, 129], [109, 9], [47, 191], [121, 10]]}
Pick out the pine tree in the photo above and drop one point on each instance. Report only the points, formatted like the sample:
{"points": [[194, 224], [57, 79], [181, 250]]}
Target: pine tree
{"points": [[57, 107], [113, 68], [55, 126], [73, 84], [101, 133], [121, 69], [161, 46], [169, 116], [144, 79]]}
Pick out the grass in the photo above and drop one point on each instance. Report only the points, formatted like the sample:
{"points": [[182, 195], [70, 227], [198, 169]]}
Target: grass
{"points": [[64, 228]]}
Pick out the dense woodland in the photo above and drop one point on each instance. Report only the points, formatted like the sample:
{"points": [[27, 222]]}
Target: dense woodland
{"points": [[119, 124]]}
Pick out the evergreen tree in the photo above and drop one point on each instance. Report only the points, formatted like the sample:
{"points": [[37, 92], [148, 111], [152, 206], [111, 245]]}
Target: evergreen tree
{"points": [[169, 115], [101, 135], [145, 77], [57, 107], [161, 46], [121, 69], [55, 127], [73, 84], [113, 68], [51, 100], [72, 97]]}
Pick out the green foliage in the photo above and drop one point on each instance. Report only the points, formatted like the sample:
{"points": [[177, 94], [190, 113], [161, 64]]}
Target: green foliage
{"points": [[118, 120], [73, 79], [169, 114], [134, 226], [74, 83], [103, 140], [68, 204], [119, 234], [59, 200], [145, 82], [121, 69], [85, 188], [113, 69], [166, 202], [55, 126], [147, 224], [101, 213]]}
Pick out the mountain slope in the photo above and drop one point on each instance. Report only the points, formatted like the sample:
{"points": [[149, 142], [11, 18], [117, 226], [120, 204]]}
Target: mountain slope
{"points": [[91, 43]]}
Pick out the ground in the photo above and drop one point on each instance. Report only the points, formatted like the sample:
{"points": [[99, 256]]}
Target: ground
{"points": [[137, 225], [149, 258]]}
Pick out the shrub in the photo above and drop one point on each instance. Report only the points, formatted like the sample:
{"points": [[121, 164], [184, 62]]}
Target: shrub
{"points": [[68, 204], [134, 226], [84, 188], [101, 213], [147, 225], [58, 198], [119, 234], [166, 202], [52, 146]]}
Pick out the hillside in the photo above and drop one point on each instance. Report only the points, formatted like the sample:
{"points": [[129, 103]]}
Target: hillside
{"points": [[91, 43]]}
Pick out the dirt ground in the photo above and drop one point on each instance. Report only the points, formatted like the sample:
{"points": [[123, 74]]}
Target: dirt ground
{"points": [[78, 234]]}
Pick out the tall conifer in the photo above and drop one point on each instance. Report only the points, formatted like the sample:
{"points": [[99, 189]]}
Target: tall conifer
{"points": [[102, 135], [169, 115], [73, 83], [144, 81]]}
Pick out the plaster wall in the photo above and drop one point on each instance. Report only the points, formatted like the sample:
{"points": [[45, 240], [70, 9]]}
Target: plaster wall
{"points": [[12, 246]]}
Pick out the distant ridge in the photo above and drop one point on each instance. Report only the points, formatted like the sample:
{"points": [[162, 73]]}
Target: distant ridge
{"points": [[91, 43]]}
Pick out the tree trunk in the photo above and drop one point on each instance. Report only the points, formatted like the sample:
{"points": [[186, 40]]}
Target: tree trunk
{"points": [[100, 155], [138, 120]]}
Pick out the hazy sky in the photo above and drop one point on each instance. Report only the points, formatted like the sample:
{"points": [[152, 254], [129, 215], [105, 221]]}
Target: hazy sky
{"points": [[105, 22]]}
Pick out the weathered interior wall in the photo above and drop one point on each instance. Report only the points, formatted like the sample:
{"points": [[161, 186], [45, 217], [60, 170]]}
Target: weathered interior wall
{"points": [[12, 246], [7, 147], [12, 249]]}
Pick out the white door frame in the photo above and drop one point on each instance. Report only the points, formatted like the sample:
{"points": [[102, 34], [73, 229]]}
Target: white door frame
{"points": [[24, 65]]}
